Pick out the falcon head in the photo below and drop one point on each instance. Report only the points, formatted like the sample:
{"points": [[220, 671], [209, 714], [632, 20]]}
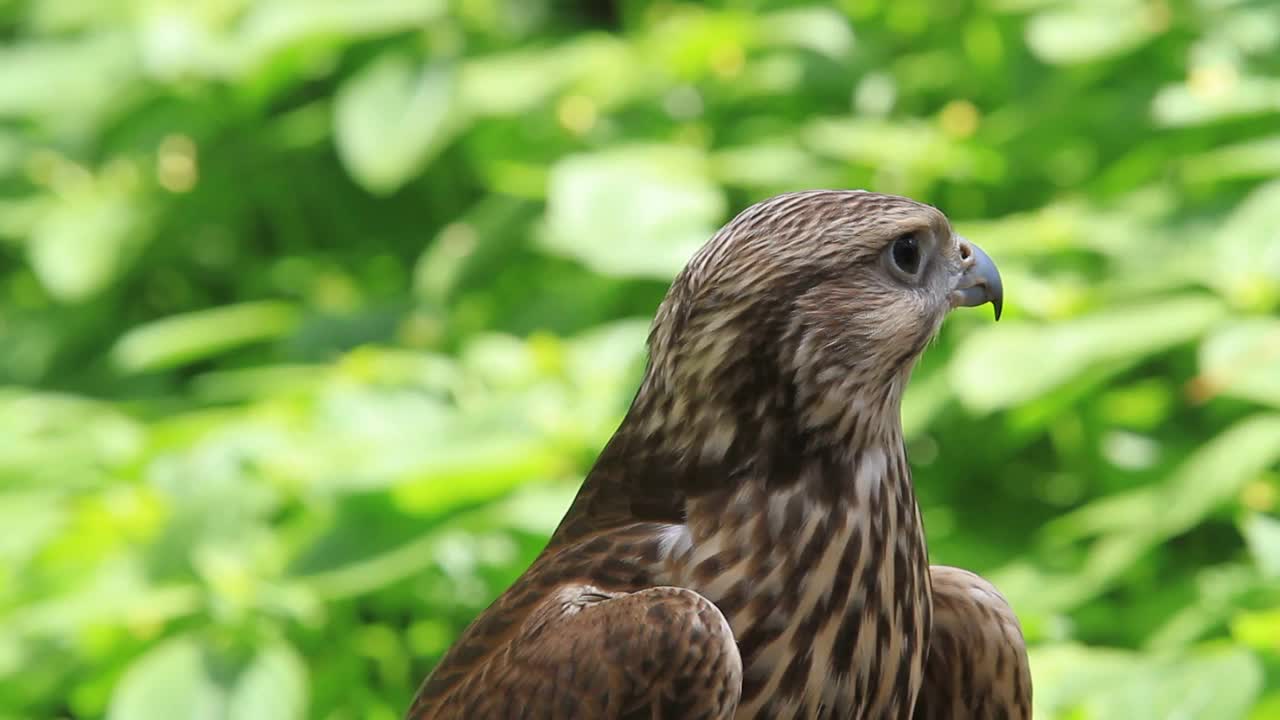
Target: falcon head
{"points": [[808, 308]]}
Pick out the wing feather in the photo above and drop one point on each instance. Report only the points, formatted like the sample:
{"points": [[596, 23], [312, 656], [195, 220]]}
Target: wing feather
{"points": [[661, 652], [977, 667]]}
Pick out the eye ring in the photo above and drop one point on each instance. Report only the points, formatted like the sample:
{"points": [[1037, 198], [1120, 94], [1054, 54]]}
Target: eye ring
{"points": [[906, 255]]}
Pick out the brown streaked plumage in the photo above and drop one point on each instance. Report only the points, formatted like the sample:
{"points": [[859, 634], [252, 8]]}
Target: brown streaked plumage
{"points": [[748, 543], [977, 666]]}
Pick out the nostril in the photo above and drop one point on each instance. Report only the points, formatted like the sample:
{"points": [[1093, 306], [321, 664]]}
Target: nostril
{"points": [[966, 252]]}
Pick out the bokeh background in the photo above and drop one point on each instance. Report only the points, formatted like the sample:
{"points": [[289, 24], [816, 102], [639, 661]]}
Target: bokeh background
{"points": [[313, 313]]}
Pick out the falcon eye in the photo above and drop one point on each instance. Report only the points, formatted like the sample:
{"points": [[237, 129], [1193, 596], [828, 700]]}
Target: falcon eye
{"points": [[905, 253]]}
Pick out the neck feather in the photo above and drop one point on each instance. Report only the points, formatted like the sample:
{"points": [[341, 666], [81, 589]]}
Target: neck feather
{"points": [[822, 435]]}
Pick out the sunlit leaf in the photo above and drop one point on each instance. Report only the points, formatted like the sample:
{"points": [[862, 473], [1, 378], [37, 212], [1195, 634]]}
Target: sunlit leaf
{"points": [[68, 83], [1216, 471], [1217, 93], [1220, 589], [392, 118], [192, 336], [273, 28], [1211, 475], [1253, 159], [820, 29], [1087, 33], [1267, 707], [484, 231], [513, 82], [915, 152], [775, 166], [518, 81], [1101, 684], [12, 150], [85, 241], [50, 440], [1064, 226], [181, 678], [483, 470], [1222, 684], [925, 397], [1127, 526], [273, 686], [605, 355], [31, 519], [1263, 535], [1247, 251], [1002, 366], [171, 680], [1260, 630], [1064, 674], [690, 42], [1240, 360], [259, 382], [638, 211]]}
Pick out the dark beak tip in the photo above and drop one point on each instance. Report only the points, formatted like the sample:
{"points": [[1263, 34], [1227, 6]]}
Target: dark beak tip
{"points": [[983, 284]]}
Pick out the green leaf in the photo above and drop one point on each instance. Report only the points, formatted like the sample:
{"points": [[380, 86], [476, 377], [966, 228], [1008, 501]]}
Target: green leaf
{"points": [[1129, 524], [605, 356], [272, 29], [1104, 684], [774, 167], [639, 210], [1259, 630], [172, 680], [1240, 360], [820, 29], [272, 687], [12, 153], [1210, 476], [482, 232], [1262, 533], [688, 41], [513, 82], [180, 678], [472, 471], [87, 239], [1217, 470], [1247, 251], [392, 118], [180, 339], [258, 382], [1221, 684], [1220, 590], [1064, 674], [1221, 94], [1268, 707], [914, 151], [1068, 225], [1088, 33], [924, 398], [51, 440], [31, 519], [1258, 159], [69, 84], [1006, 365]]}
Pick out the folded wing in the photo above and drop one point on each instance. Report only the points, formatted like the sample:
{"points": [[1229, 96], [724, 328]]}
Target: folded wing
{"points": [[662, 652], [977, 667]]}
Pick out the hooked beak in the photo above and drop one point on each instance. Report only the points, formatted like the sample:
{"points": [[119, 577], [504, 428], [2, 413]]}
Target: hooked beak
{"points": [[979, 281]]}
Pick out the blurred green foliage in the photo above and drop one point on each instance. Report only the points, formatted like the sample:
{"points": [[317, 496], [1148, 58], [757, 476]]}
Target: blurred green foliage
{"points": [[314, 312]]}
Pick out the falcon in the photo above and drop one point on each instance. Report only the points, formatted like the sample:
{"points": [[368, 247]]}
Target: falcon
{"points": [[748, 544]]}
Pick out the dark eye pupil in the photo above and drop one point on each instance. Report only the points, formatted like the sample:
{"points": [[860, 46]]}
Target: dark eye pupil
{"points": [[906, 254]]}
